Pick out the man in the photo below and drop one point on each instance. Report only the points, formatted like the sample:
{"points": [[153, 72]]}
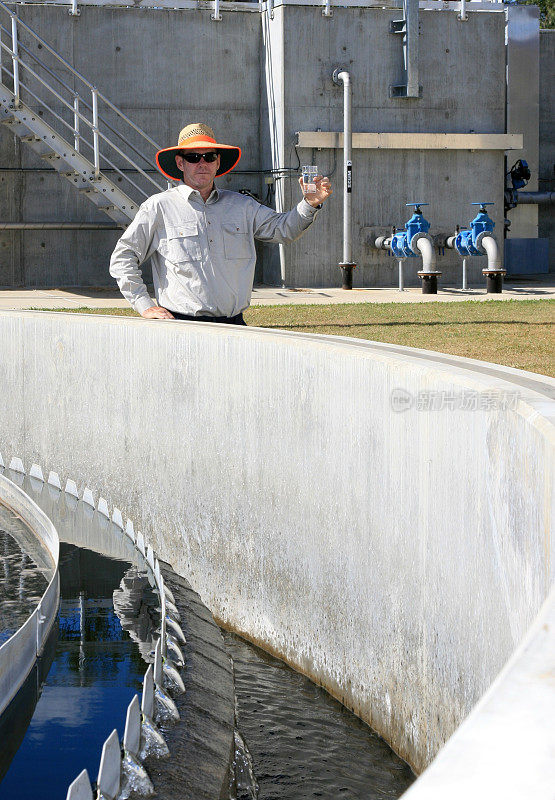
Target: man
{"points": [[200, 238]]}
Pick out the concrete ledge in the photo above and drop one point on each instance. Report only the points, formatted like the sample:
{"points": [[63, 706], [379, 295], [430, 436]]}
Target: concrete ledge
{"points": [[396, 554]]}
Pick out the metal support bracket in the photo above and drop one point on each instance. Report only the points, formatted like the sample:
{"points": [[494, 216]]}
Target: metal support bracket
{"points": [[409, 28]]}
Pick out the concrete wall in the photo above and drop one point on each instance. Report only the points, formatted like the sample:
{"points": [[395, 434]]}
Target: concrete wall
{"points": [[395, 554], [546, 217], [247, 78]]}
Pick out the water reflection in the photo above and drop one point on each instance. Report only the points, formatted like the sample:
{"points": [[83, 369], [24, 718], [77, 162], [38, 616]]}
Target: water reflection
{"points": [[25, 569], [97, 668]]}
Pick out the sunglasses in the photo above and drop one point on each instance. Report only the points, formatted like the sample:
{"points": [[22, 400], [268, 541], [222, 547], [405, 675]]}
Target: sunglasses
{"points": [[194, 158]]}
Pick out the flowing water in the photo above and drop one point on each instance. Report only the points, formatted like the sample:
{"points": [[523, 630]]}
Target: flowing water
{"points": [[301, 741]]}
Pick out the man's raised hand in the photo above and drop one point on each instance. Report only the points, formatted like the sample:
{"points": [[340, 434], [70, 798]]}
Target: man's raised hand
{"points": [[323, 191]]}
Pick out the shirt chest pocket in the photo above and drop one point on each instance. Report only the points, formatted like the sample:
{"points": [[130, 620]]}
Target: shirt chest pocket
{"points": [[182, 243], [237, 241]]}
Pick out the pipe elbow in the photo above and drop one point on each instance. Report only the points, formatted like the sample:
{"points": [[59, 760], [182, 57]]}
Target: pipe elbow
{"points": [[428, 254], [450, 242], [489, 246]]}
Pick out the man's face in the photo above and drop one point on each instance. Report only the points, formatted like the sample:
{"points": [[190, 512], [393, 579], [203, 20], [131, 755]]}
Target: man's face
{"points": [[199, 176]]}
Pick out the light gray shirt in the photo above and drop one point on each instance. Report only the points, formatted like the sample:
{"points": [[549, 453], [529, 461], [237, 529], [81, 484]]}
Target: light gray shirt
{"points": [[203, 254]]}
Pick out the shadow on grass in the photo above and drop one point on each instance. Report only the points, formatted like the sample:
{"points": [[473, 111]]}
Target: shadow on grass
{"points": [[378, 324]]}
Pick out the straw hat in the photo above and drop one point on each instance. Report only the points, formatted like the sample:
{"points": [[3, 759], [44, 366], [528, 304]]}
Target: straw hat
{"points": [[193, 137]]}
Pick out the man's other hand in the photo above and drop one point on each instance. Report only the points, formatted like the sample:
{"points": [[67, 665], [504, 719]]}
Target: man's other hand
{"points": [[157, 312], [323, 191]]}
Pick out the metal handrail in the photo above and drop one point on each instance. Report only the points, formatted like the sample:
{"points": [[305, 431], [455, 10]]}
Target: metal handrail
{"points": [[76, 105], [82, 139], [97, 134], [77, 74], [78, 100]]}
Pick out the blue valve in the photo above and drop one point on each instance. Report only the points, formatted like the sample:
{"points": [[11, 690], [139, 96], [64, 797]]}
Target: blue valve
{"points": [[403, 243], [467, 241]]}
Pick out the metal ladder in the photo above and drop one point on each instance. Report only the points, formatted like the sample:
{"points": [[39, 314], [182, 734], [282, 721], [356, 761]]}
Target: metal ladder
{"points": [[64, 125]]}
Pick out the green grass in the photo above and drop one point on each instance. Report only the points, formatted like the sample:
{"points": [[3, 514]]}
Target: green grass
{"points": [[516, 333]]}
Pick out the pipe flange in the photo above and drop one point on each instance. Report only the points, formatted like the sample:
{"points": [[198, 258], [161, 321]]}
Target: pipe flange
{"points": [[335, 75], [502, 272], [429, 273], [480, 238], [416, 237]]}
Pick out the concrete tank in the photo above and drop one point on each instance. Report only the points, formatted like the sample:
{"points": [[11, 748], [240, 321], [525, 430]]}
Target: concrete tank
{"points": [[378, 516]]}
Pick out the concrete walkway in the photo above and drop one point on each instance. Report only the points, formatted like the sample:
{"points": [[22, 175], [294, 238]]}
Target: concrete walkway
{"points": [[537, 288]]}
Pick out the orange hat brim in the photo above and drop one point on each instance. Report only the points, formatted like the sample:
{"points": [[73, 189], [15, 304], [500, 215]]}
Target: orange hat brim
{"points": [[165, 159]]}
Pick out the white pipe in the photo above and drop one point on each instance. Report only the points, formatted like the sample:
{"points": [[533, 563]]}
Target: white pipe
{"points": [[344, 77], [428, 255], [401, 277], [465, 282], [15, 62], [489, 244], [463, 16]]}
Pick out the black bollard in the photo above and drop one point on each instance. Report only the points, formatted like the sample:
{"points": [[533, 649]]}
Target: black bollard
{"points": [[494, 281], [429, 282], [347, 275]]}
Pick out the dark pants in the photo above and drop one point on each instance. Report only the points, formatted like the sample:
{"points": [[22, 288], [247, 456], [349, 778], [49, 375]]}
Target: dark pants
{"points": [[236, 320]]}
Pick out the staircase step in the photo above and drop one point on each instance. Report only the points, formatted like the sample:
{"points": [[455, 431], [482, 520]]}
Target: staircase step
{"points": [[31, 138]]}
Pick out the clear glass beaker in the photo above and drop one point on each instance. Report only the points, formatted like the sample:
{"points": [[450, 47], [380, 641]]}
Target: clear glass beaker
{"points": [[309, 172]]}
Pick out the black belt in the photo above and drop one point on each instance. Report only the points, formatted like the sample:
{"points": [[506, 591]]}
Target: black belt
{"points": [[236, 320]]}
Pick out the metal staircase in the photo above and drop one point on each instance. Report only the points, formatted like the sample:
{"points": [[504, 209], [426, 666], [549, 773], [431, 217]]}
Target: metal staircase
{"points": [[64, 125]]}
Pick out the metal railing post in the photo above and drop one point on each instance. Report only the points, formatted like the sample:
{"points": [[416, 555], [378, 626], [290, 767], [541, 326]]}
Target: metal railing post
{"points": [[95, 132], [15, 61], [216, 15], [76, 122]]}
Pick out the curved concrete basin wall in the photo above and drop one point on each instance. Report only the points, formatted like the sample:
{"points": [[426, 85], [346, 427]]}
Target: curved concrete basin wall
{"points": [[396, 554]]}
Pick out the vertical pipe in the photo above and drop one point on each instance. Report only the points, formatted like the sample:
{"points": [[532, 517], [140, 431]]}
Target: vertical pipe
{"points": [[401, 277], [95, 132], [463, 16], [339, 76], [465, 284], [15, 62], [76, 135], [411, 56], [327, 12]]}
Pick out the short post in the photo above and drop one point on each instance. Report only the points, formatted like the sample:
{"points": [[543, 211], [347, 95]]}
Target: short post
{"points": [[216, 16], [401, 277], [15, 62], [95, 132], [465, 284], [76, 133]]}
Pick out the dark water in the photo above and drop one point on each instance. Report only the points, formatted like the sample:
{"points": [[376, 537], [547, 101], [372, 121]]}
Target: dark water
{"points": [[23, 578], [96, 669], [302, 742]]}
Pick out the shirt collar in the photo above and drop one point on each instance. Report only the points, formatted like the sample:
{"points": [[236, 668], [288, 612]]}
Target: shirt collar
{"points": [[192, 194]]}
